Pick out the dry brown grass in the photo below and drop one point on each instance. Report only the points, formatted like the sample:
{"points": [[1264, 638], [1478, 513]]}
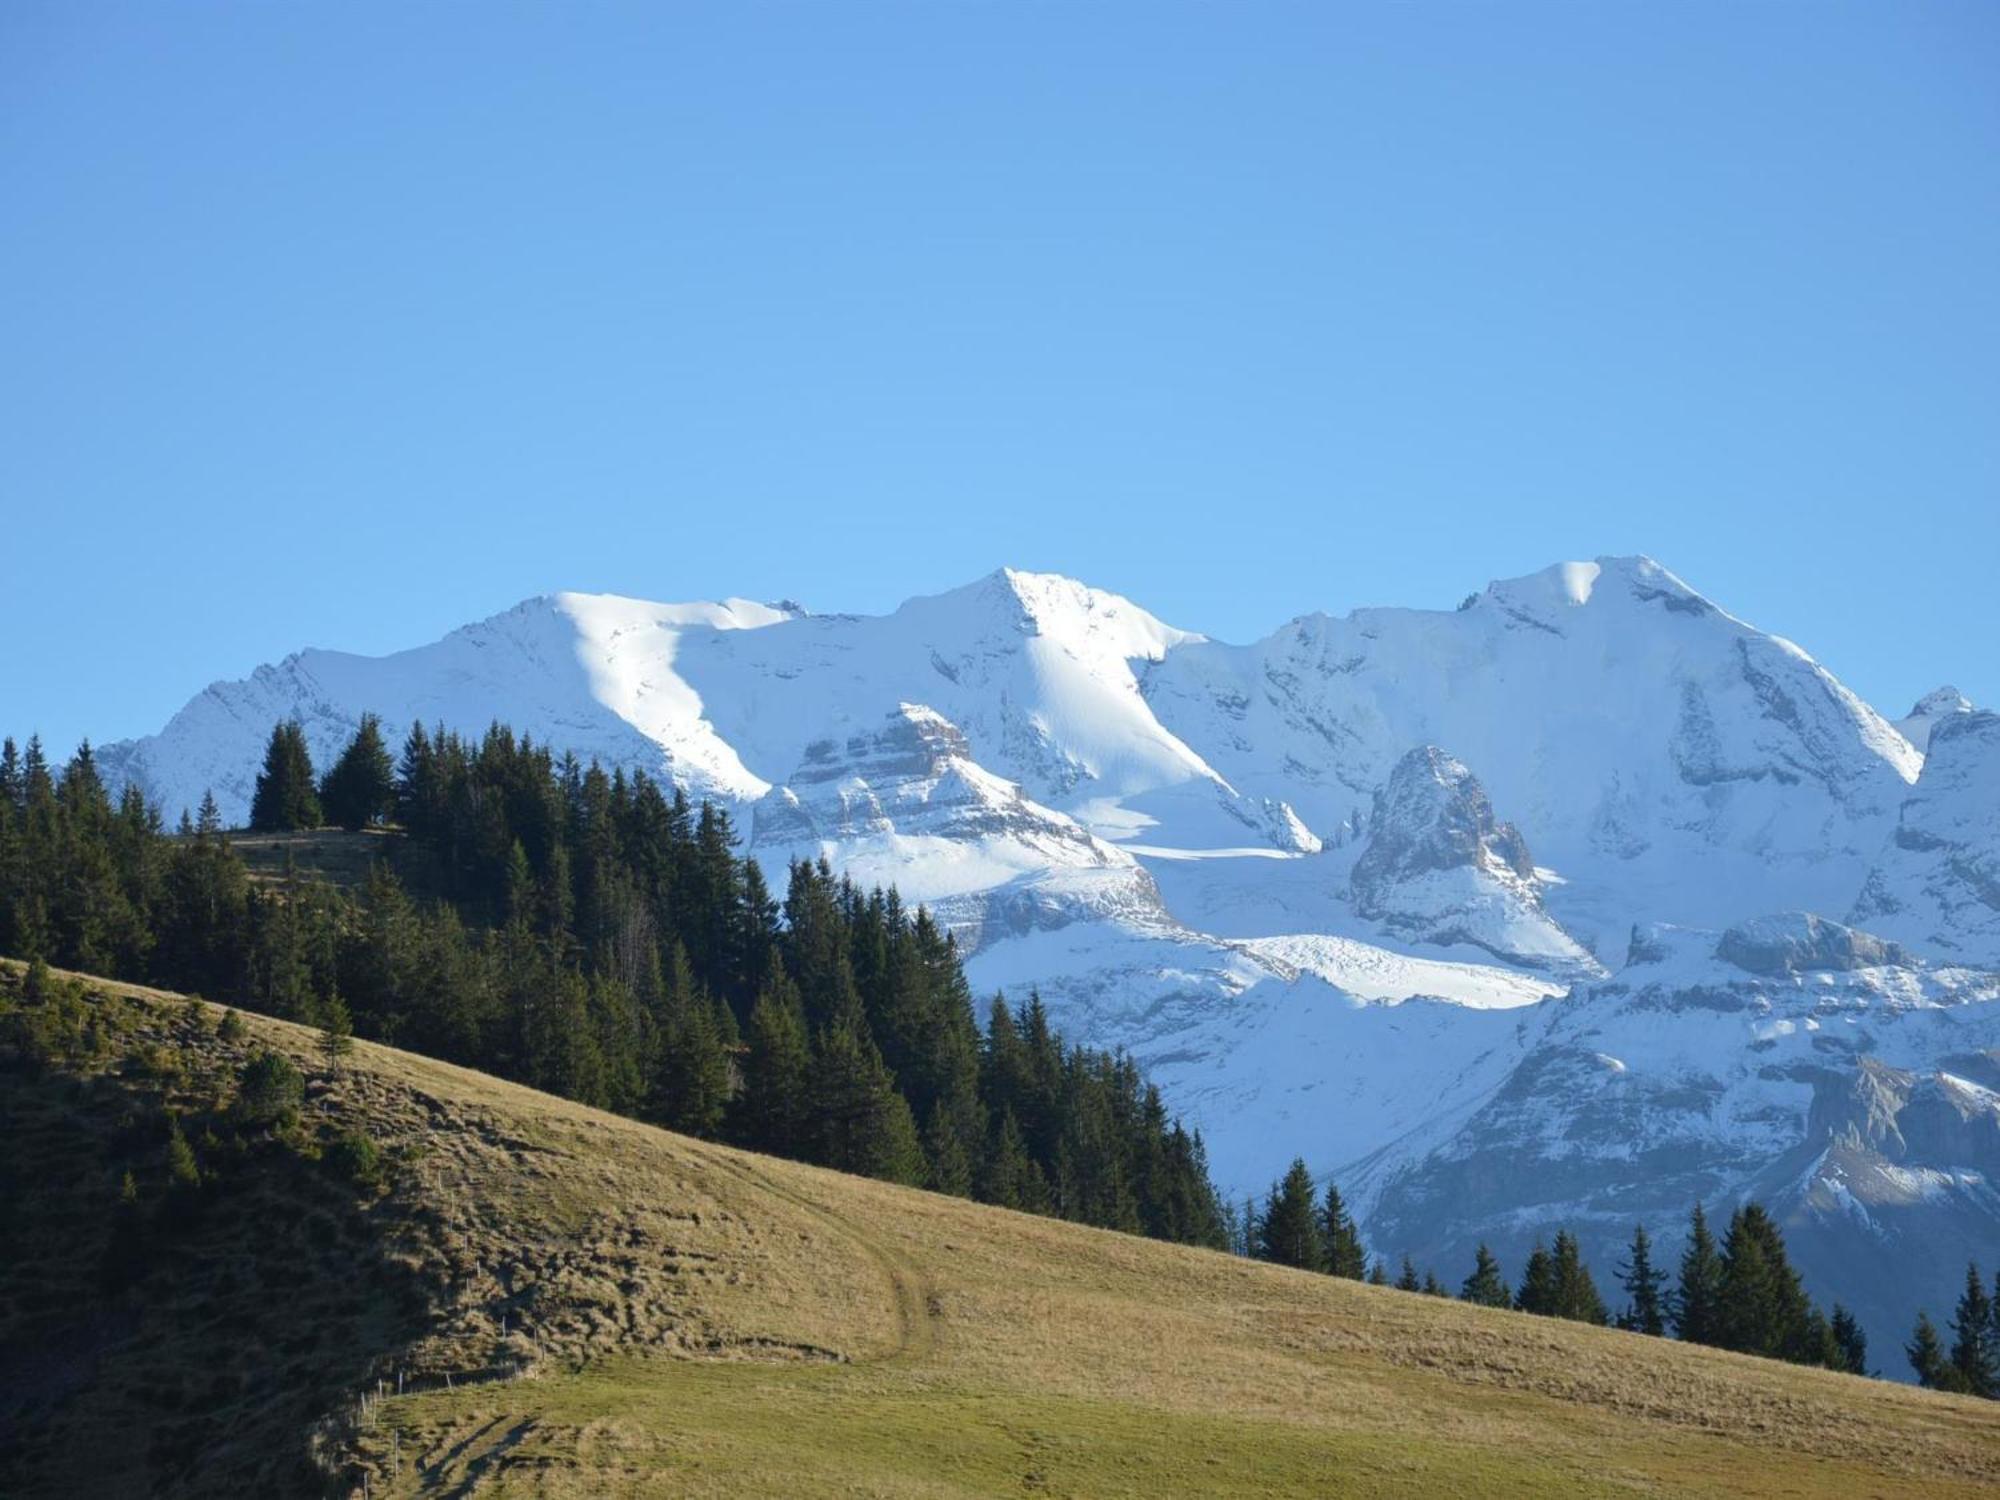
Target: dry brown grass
{"points": [[624, 1311]]}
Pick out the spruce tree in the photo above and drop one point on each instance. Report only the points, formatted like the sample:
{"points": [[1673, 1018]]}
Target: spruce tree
{"points": [[1852, 1342], [360, 789], [1406, 1280], [949, 1167], [862, 1124], [1538, 1292], [1576, 1293], [1378, 1274], [771, 1111], [1697, 1298], [1342, 1241], [1485, 1287], [1762, 1308], [1925, 1352], [1645, 1311], [1288, 1232], [285, 798], [1975, 1359]]}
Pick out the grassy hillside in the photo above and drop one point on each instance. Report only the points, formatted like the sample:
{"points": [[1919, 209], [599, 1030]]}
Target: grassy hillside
{"points": [[575, 1304]]}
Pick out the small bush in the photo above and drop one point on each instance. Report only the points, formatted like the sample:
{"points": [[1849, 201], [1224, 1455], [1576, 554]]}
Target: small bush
{"points": [[269, 1090], [232, 1028], [353, 1156]]}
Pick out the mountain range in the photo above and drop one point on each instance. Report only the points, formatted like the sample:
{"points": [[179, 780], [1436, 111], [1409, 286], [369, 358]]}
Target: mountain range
{"points": [[1569, 906]]}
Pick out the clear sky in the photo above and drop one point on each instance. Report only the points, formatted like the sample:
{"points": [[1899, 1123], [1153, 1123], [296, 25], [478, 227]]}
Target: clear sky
{"points": [[343, 324]]}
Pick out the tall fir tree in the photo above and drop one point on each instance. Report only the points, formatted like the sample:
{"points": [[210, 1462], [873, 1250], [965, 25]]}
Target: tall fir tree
{"points": [[1975, 1353], [1344, 1254], [1850, 1340], [1697, 1299], [286, 798], [1925, 1351], [1288, 1229], [1485, 1287], [1645, 1307], [360, 788]]}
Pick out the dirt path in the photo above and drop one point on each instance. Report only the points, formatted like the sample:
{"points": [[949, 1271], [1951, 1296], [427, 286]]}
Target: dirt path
{"points": [[911, 1290]]}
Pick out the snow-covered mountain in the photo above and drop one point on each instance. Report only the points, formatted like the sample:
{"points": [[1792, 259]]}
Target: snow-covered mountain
{"points": [[1937, 884], [1367, 889]]}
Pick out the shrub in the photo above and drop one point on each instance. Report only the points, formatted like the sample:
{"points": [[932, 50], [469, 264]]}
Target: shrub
{"points": [[269, 1090], [353, 1156], [232, 1028]]}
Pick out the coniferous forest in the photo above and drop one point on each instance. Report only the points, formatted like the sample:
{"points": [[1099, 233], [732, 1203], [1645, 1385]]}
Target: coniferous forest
{"points": [[594, 936]]}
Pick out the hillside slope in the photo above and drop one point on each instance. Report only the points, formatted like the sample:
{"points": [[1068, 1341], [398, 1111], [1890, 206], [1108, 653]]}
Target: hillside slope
{"points": [[577, 1304]]}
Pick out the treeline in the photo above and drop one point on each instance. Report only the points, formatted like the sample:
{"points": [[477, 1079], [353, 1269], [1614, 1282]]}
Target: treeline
{"points": [[1739, 1293], [1971, 1365], [594, 936]]}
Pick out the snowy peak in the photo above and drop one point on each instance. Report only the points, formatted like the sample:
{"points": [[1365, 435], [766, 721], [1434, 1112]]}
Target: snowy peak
{"points": [[1938, 704], [1937, 885], [1439, 868]]}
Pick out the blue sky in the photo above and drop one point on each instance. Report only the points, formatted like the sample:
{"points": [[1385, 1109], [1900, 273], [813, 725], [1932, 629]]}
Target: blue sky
{"points": [[344, 324]]}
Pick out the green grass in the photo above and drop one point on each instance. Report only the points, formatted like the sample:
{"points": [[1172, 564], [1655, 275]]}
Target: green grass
{"points": [[579, 1305]]}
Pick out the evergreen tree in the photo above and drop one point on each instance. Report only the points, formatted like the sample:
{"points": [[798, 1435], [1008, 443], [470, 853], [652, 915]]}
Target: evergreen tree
{"points": [[1538, 1292], [690, 1087], [1645, 1309], [1926, 1355], [360, 789], [1432, 1286], [771, 1110], [1288, 1230], [1485, 1286], [861, 1124], [949, 1167], [285, 797], [1697, 1301], [1975, 1355], [1576, 1293], [1851, 1341], [1762, 1308], [1378, 1274], [336, 1031], [1344, 1255], [1407, 1281]]}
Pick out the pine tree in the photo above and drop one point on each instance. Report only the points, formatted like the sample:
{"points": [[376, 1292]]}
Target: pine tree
{"points": [[1344, 1255], [285, 797], [1926, 1355], [1537, 1293], [1851, 1341], [1485, 1286], [360, 789], [1975, 1359], [1762, 1308], [1697, 1299], [1406, 1280], [949, 1167], [862, 1124], [690, 1086], [1288, 1229], [336, 1031], [771, 1111], [1645, 1312], [1378, 1274], [1576, 1293]]}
